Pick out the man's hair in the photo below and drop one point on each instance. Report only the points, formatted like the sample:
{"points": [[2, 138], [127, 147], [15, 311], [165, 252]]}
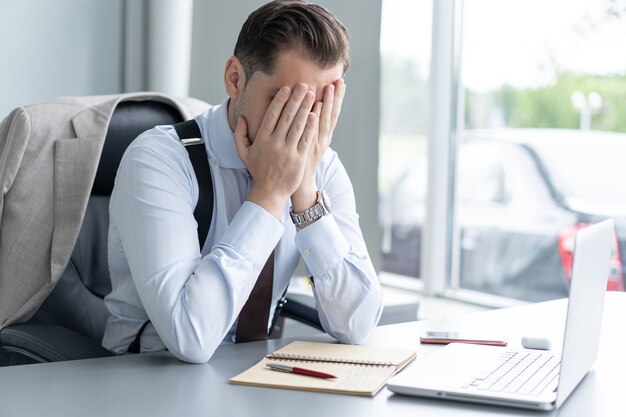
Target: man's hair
{"points": [[283, 25]]}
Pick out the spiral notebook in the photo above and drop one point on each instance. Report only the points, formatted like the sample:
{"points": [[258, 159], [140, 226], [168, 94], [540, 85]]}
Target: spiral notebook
{"points": [[360, 370]]}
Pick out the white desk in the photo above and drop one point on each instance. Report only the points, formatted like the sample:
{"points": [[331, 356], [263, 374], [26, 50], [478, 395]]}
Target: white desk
{"points": [[160, 385]]}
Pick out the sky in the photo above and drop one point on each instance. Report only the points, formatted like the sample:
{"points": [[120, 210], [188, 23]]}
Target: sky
{"points": [[520, 43]]}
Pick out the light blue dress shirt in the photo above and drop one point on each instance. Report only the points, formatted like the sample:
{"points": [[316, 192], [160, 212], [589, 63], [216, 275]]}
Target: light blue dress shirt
{"points": [[193, 295]]}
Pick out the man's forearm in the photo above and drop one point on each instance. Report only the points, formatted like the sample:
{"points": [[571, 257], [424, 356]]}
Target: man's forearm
{"points": [[348, 293]]}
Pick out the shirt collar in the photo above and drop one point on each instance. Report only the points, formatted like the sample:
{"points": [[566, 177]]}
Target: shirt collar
{"points": [[221, 141]]}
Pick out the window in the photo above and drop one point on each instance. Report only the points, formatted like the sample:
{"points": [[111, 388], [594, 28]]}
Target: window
{"points": [[534, 156], [560, 70]]}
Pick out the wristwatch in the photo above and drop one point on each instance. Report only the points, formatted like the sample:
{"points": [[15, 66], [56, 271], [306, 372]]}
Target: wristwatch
{"points": [[320, 209]]}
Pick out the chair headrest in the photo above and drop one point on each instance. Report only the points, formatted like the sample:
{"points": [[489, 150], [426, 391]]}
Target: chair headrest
{"points": [[129, 120]]}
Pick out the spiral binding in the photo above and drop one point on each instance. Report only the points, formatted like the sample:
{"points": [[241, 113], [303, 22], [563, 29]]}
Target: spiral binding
{"points": [[305, 358]]}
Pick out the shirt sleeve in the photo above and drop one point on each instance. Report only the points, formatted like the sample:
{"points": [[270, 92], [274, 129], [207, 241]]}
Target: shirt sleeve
{"points": [[191, 301], [347, 291]]}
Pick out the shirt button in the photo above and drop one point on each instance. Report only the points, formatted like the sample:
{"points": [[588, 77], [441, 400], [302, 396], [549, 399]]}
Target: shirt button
{"points": [[306, 252]]}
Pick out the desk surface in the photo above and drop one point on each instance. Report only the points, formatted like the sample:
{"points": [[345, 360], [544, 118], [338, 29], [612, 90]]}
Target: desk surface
{"points": [[160, 385]]}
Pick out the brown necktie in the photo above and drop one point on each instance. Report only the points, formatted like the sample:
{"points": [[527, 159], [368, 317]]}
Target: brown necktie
{"points": [[254, 317]]}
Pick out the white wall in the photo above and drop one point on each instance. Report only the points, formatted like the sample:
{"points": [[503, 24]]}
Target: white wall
{"points": [[215, 28], [58, 48]]}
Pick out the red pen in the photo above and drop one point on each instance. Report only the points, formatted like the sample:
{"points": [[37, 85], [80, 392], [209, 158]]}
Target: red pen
{"points": [[296, 370]]}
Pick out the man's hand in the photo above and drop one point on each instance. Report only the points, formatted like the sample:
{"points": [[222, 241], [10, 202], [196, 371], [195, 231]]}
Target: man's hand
{"points": [[278, 157], [328, 112]]}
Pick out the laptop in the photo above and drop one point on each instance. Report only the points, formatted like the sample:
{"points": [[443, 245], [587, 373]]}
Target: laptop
{"points": [[524, 378]]}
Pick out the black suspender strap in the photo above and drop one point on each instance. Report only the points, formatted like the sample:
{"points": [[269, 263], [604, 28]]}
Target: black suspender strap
{"points": [[135, 346], [188, 130], [197, 154]]}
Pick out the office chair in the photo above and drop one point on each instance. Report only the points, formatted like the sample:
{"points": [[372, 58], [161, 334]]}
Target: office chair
{"points": [[70, 323]]}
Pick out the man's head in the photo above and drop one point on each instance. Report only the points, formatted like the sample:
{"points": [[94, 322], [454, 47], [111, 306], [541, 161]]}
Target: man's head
{"points": [[284, 25], [283, 43]]}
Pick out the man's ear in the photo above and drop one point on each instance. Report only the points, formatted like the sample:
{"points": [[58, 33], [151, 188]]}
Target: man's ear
{"points": [[234, 77]]}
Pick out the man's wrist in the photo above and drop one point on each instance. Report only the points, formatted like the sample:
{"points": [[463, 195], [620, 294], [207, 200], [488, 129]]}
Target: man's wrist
{"points": [[273, 203], [304, 198]]}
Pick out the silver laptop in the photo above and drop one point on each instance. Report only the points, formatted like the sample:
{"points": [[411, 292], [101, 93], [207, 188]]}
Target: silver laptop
{"points": [[521, 377]]}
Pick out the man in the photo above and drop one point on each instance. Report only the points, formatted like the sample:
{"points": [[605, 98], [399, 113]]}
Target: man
{"points": [[268, 150]]}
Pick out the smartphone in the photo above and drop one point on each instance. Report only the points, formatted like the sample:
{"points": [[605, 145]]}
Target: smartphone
{"points": [[463, 337]]}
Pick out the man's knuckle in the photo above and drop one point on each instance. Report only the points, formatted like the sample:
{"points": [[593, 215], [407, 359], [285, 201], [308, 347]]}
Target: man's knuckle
{"points": [[287, 116], [298, 125]]}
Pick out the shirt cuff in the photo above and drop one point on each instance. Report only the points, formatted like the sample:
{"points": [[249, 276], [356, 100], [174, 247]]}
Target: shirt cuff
{"points": [[254, 233], [322, 245]]}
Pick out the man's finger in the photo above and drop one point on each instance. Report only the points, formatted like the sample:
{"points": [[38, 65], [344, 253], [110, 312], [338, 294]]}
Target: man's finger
{"points": [[327, 107], [340, 92], [317, 108], [291, 112], [309, 133], [273, 112], [299, 123]]}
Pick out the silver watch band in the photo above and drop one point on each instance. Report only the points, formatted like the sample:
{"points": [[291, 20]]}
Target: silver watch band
{"points": [[320, 209]]}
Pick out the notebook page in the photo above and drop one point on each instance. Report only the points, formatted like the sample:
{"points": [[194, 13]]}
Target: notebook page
{"points": [[351, 379]]}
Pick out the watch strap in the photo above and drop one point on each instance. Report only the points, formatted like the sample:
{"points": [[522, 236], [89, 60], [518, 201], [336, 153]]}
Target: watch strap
{"points": [[312, 214]]}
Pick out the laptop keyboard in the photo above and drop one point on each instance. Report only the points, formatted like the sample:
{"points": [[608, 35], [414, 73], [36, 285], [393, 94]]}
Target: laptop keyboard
{"points": [[521, 372]]}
